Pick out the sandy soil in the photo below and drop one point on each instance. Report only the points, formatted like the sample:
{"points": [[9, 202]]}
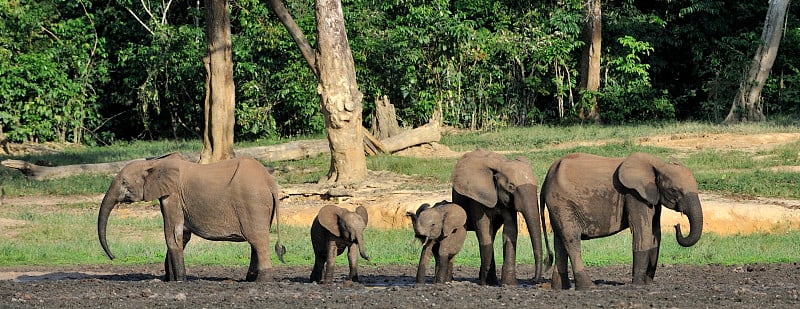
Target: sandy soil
{"points": [[676, 286]]}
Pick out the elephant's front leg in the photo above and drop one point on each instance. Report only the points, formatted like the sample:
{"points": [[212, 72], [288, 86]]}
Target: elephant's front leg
{"points": [[352, 258], [441, 268], [331, 260], [424, 259], [168, 275], [508, 276], [485, 233], [174, 233], [646, 233]]}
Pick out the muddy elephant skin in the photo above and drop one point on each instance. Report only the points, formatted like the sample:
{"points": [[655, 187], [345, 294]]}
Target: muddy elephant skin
{"points": [[492, 189], [589, 196], [441, 230], [334, 230], [232, 200]]}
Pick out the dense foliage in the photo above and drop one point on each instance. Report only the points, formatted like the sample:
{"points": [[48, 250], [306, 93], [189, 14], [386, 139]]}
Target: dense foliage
{"points": [[99, 71]]}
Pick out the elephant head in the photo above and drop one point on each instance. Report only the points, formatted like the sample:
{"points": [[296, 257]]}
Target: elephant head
{"points": [[670, 184], [138, 181], [346, 224], [438, 221]]}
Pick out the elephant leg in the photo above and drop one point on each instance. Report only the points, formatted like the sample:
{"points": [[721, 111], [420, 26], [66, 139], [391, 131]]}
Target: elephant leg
{"points": [[485, 233], [319, 267], [260, 265], [508, 275], [424, 259], [174, 269], [645, 242], [352, 258], [560, 278], [441, 268], [572, 244], [167, 264], [651, 266], [449, 272], [329, 262]]}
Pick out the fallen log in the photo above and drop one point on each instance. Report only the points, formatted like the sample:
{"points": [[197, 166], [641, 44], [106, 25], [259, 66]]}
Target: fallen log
{"points": [[288, 151]]}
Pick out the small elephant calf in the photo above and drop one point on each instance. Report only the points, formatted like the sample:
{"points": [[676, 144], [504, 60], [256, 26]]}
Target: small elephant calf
{"points": [[333, 230], [442, 232]]}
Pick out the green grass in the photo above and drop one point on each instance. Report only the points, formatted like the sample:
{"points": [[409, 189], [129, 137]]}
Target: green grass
{"points": [[66, 234]]}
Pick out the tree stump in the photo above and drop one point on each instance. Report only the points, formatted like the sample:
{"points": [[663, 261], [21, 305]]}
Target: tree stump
{"points": [[384, 119]]}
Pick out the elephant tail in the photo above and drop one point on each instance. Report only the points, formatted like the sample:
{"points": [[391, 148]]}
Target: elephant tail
{"points": [[548, 261], [280, 250]]}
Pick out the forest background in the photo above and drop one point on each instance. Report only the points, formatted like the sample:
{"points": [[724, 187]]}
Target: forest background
{"points": [[96, 72]]}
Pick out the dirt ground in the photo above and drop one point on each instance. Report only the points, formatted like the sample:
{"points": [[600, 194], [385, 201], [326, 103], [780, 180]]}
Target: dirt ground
{"points": [[676, 286]]}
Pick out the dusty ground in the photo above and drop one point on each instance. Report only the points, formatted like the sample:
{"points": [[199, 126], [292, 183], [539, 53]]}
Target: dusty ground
{"points": [[676, 286]]}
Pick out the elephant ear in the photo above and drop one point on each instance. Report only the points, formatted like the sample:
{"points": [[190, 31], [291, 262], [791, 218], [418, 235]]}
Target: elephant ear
{"points": [[473, 177], [361, 211], [638, 172], [328, 216], [161, 179], [454, 218]]}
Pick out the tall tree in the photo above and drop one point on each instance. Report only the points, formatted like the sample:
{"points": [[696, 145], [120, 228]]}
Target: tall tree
{"points": [[591, 34], [219, 105], [332, 63], [747, 105]]}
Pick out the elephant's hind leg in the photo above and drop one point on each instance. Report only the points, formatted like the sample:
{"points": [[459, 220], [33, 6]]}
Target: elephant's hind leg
{"points": [[260, 266], [560, 279]]}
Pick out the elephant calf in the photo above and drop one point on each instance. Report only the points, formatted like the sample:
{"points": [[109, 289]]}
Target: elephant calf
{"points": [[334, 230], [442, 232]]}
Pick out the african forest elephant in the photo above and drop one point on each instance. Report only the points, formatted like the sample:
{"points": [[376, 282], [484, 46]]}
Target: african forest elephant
{"points": [[233, 200], [589, 196], [334, 230], [492, 189], [441, 230]]}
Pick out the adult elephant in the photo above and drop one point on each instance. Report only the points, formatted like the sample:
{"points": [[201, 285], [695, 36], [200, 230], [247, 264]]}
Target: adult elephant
{"points": [[492, 189], [589, 196], [232, 200]]}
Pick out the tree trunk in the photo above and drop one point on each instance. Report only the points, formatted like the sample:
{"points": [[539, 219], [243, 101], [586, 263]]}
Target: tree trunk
{"points": [[747, 105], [296, 33], [590, 60], [339, 96], [219, 106]]}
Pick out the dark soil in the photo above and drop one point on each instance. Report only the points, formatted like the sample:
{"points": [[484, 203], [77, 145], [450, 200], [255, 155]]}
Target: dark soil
{"points": [[676, 286]]}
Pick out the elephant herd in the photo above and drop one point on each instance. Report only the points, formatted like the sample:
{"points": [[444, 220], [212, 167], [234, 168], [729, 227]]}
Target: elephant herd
{"points": [[586, 196]]}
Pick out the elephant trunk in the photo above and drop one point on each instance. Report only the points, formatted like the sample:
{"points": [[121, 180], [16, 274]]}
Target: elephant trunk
{"points": [[690, 206], [109, 201], [526, 201], [361, 250]]}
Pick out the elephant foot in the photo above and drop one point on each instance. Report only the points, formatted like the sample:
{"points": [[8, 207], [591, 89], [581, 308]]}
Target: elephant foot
{"points": [[560, 282], [509, 282], [261, 276], [583, 282]]}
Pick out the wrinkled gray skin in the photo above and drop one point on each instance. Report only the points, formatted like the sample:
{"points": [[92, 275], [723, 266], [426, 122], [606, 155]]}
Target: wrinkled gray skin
{"points": [[442, 232], [589, 196], [334, 230], [492, 189], [233, 200]]}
